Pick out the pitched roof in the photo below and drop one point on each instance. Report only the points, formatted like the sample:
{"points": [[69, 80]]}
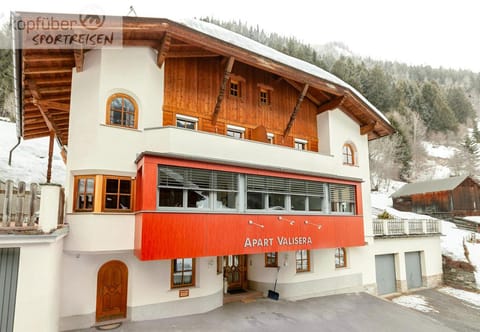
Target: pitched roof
{"points": [[253, 46], [46, 73], [429, 186]]}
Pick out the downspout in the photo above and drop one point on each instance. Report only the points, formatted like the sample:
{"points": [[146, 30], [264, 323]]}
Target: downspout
{"points": [[17, 86]]}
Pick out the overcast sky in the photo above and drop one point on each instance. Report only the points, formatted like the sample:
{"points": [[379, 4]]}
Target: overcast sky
{"points": [[436, 33]]}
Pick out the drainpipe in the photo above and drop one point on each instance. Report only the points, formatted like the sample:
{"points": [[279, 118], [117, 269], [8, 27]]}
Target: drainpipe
{"points": [[17, 85], [11, 151]]}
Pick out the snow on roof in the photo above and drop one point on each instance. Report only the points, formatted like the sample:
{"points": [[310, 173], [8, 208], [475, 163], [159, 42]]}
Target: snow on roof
{"points": [[250, 45], [429, 186]]}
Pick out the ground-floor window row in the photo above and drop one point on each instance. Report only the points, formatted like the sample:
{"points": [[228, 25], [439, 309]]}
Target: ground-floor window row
{"points": [[211, 190], [183, 269], [302, 259]]}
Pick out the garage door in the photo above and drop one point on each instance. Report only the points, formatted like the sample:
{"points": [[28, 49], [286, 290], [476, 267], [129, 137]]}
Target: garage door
{"points": [[385, 271], [413, 267], [9, 258]]}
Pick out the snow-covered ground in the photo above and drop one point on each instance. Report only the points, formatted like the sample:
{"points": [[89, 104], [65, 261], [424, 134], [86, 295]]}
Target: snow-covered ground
{"points": [[417, 302], [29, 159]]}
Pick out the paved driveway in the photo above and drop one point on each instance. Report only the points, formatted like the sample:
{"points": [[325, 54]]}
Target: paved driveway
{"points": [[347, 312], [457, 314]]}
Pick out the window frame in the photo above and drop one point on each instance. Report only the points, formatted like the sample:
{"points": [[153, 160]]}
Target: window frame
{"points": [[298, 142], [271, 138], [268, 260], [77, 178], [186, 119], [109, 110], [348, 154], [264, 97], [235, 92], [301, 260], [104, 193], [172, 271], [341, 254], [235, 129]]}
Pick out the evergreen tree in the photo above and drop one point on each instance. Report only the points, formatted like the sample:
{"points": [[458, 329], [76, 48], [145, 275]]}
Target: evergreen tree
{"points": [[460, 105], [434, 109]]}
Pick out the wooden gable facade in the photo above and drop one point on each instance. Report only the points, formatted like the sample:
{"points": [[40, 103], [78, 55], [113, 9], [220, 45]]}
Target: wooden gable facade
{"points": [[453, 197], [192, 86]]}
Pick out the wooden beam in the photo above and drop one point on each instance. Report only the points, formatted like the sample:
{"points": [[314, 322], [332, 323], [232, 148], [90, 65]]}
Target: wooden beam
{"points": [[295, 110], [48, 58], [43, 110], [79, 58], [43, 70], [330, 105], [223, 86], [367, 128], [299, 88], [191, 54], [163, 49], [55, 90], [50, 156], [55, 105]]}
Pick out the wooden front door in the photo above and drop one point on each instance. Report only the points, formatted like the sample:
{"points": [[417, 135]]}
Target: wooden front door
{"points": [[235, 270], [112, 284]]}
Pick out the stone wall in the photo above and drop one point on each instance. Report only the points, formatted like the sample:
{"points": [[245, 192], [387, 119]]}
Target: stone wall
{"points": [[458, 274]]}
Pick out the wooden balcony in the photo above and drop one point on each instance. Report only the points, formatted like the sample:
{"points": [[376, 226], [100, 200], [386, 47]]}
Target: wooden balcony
{"points": [[406, 227]]}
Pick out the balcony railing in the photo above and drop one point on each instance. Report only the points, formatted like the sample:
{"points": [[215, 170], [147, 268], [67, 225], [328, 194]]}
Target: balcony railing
{"points": [[21, 209], [405, 227]]}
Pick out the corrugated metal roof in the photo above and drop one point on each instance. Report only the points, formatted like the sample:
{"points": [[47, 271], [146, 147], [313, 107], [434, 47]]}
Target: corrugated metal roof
{"points": [[429, 186]]}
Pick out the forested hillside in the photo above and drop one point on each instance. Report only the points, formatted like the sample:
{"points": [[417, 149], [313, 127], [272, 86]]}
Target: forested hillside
{"points": [[423, 103]]}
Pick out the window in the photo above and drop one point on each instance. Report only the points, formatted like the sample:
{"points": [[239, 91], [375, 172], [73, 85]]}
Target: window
{"points": [[264, 97], [271, 259], [340, 258], [235, 88], [342, 198], [183, 187], [271, 138], [300, 144], [236, 132], [122, 111], [183, 272], [211, 190], [186, 122], [348, 155], [118, 194], [303, 260], [84, 193]]}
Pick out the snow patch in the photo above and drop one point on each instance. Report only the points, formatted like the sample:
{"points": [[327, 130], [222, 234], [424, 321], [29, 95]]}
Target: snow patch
{"points": [[416, 302], [470, 297], [439, 151], [29, 159]]}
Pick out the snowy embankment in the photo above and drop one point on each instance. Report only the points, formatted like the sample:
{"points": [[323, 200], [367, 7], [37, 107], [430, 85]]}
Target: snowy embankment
{"points": [[29, 159]]}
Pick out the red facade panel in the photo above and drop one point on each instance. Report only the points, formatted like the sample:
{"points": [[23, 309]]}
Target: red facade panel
{"points": [[173, 235]]}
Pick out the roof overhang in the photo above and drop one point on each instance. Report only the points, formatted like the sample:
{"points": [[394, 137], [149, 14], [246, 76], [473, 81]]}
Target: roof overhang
{"points": [[43, 76]]}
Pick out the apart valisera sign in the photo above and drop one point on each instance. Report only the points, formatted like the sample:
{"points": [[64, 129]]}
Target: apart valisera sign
{"points": [[278, 241]]}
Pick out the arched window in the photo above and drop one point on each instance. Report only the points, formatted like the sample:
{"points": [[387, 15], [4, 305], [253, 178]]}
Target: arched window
{"points": [[348, 154], [122, 111]]}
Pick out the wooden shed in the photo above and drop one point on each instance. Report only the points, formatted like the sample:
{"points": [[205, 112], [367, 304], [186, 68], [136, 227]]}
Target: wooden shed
{"points": [[455, 196]]}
